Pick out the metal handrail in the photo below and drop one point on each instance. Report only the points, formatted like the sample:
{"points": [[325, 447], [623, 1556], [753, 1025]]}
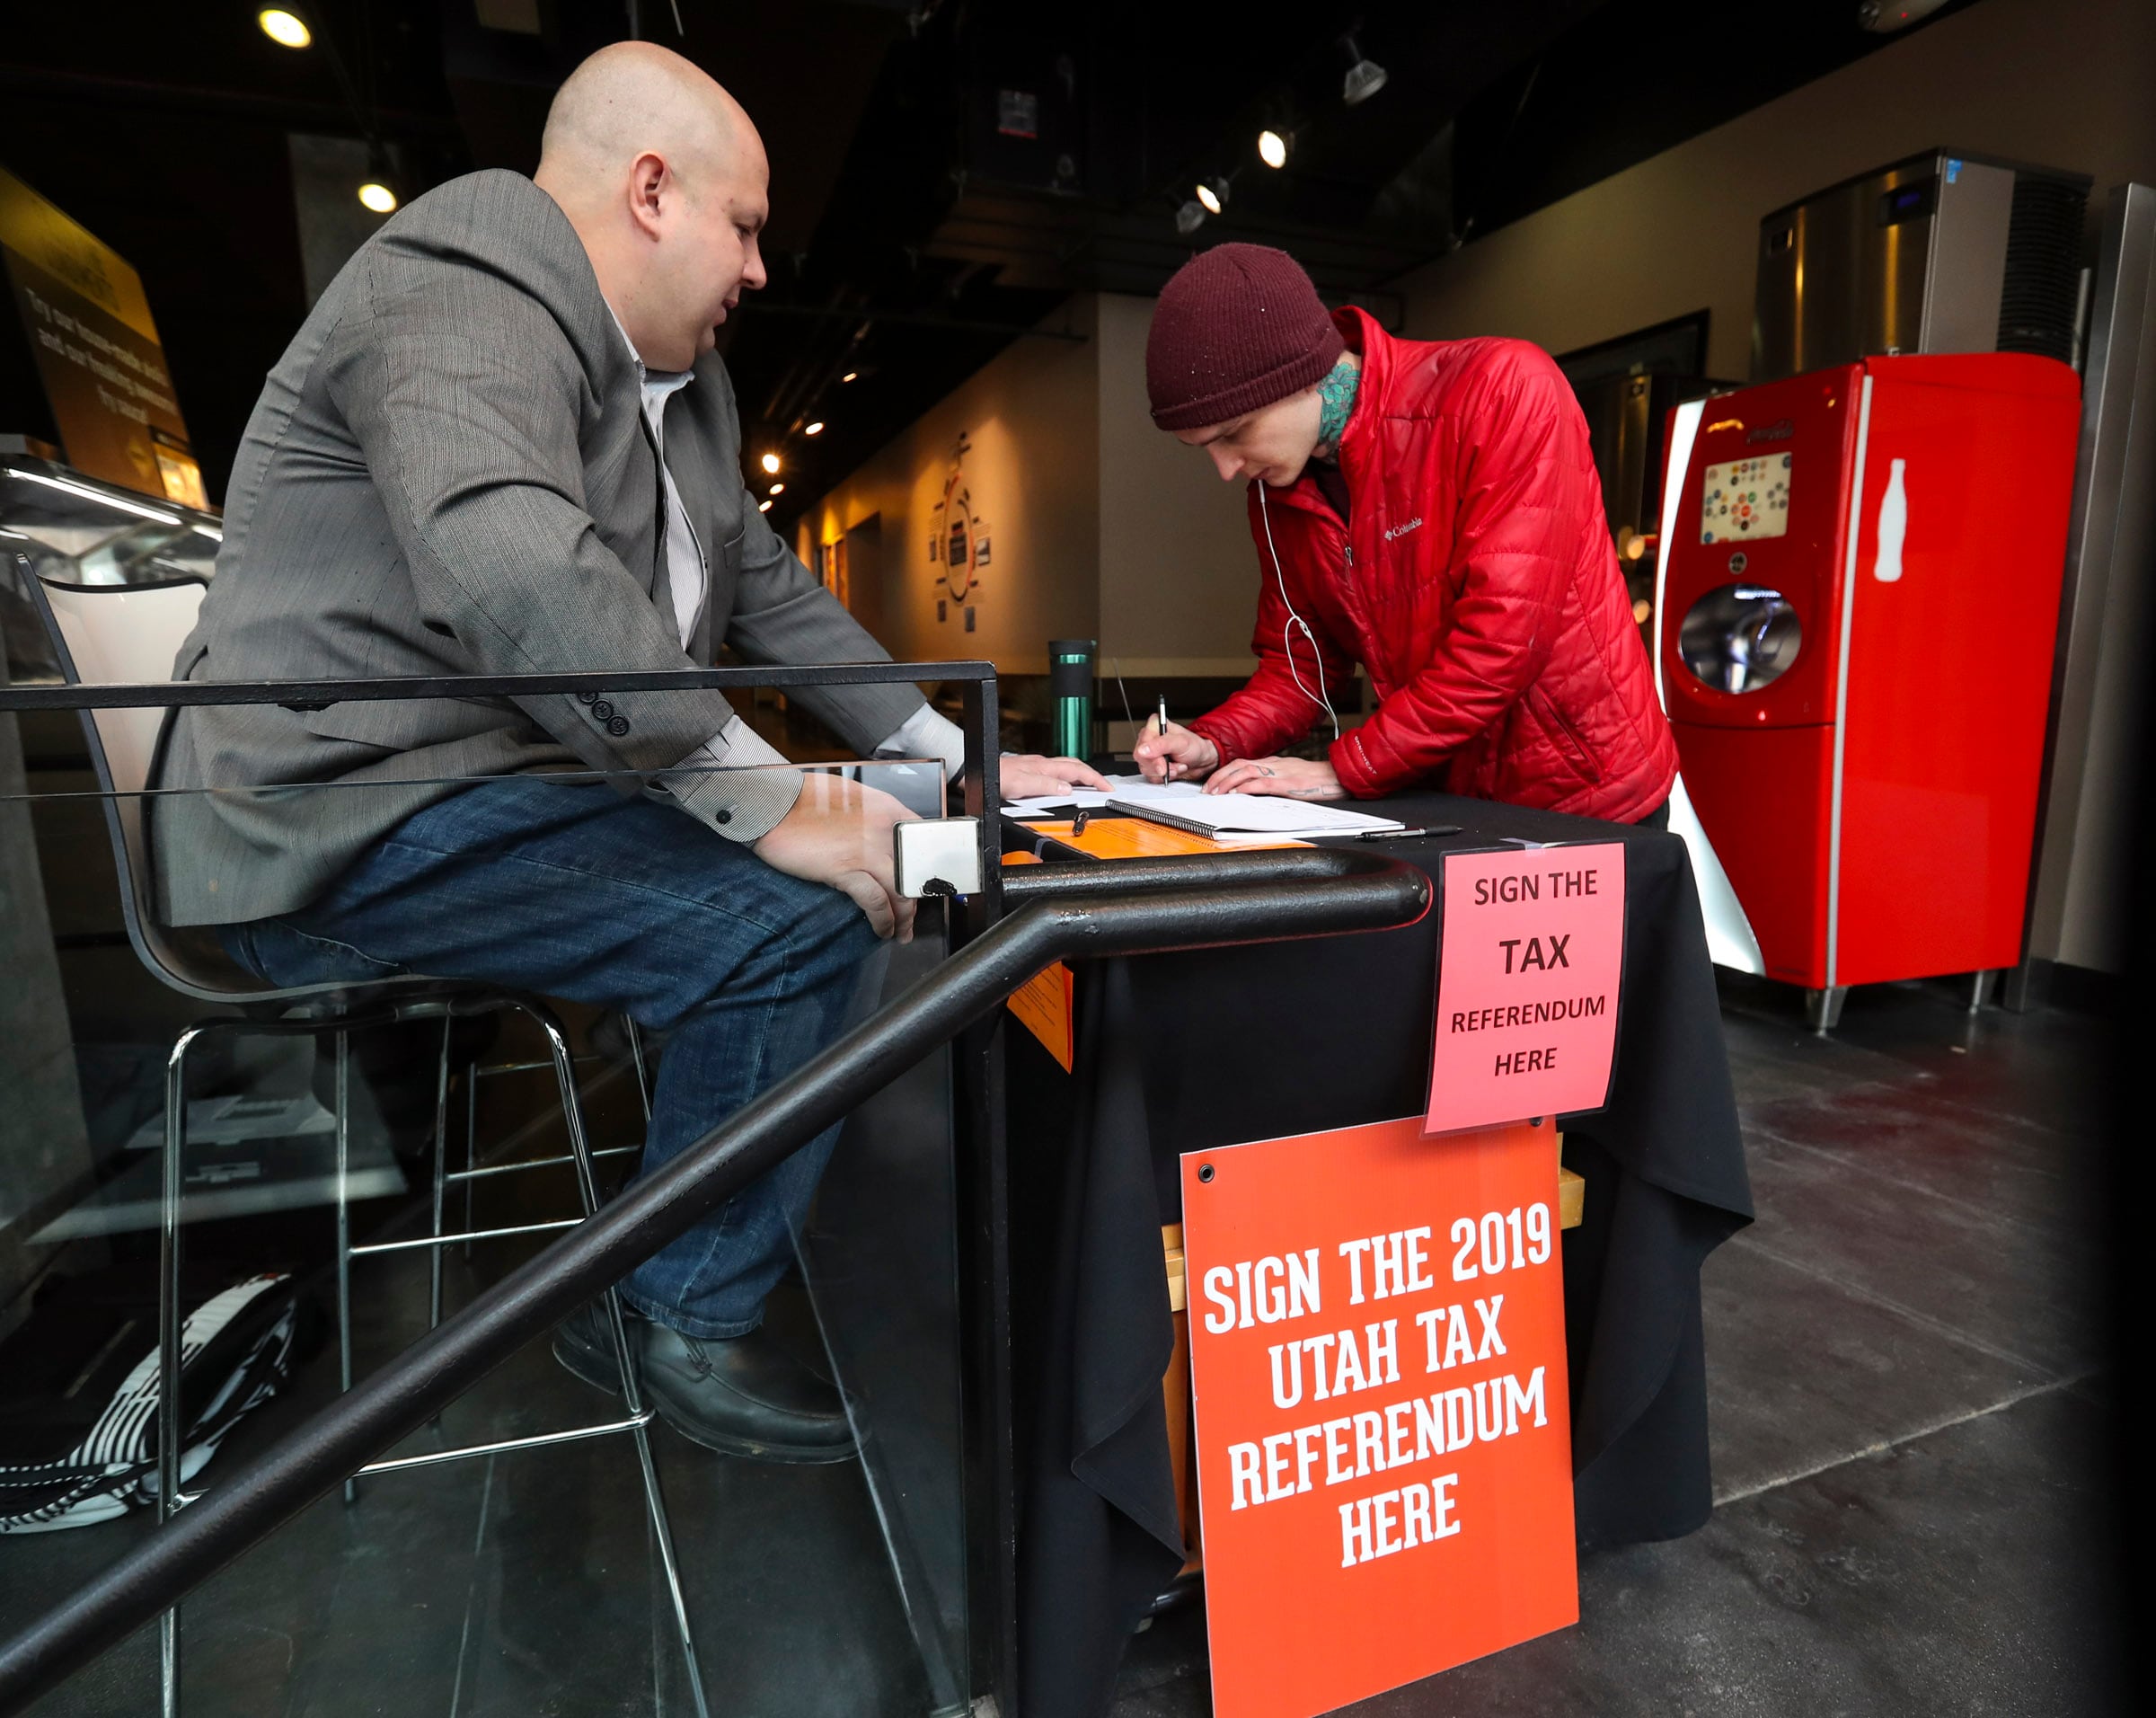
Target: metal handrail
{"points": [[1107, 908]]}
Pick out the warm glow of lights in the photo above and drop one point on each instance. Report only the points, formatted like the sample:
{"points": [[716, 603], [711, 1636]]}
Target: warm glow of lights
{"points": [[778, 489], [769, 462], [850, 376], [377, 197], [816, 428], [763, 506], [1205, 195], [287, 30], [1272, 148]]}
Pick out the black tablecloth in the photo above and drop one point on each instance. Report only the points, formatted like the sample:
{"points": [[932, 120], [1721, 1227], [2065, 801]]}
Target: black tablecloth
{"points": [[1186, 1052]]}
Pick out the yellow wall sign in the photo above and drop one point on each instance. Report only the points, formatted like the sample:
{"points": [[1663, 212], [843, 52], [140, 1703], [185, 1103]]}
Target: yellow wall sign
{"points": [[96, 351]]}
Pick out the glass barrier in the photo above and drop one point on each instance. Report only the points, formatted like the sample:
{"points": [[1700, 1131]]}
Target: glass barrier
{"points": [[529, 1577]]}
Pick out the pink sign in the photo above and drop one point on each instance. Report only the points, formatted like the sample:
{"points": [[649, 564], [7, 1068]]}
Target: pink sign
{"points": [[1527, 975]]}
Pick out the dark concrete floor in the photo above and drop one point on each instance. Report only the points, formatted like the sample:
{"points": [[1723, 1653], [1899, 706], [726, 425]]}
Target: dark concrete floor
{"points": [[1906, 1397], [1907, 1409]]}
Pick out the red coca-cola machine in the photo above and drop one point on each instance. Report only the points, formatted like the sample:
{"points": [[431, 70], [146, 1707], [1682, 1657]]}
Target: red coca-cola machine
{"points": [[1859, 590]]}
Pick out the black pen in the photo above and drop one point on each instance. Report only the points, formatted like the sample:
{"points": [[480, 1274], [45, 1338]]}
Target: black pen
{"points": [[1402, 835], [1160, 702]]}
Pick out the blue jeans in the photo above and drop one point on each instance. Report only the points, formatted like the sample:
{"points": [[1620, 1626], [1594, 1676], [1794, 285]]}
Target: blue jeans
{"points": [[572, 890]]}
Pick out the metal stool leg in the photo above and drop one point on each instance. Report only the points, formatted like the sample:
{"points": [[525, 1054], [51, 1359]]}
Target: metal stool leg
{"points": [[344, 1225], [643, 1080], [471, 1141], [169, 1324], [441, 1172], [655, 1501]]}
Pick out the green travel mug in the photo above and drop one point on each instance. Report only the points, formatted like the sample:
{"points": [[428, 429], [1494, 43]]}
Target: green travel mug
{"points": [[1071, 696]]}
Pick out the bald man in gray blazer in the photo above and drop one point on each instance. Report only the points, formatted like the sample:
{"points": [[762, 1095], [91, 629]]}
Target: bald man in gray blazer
{"points": [[501, 445]]}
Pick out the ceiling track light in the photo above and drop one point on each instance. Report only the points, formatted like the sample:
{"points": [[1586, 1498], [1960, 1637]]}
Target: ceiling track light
{"points": [[1189, 218], [816, 428], [1365, 76], [769, 462], [1213, 193], [1273, 147]]}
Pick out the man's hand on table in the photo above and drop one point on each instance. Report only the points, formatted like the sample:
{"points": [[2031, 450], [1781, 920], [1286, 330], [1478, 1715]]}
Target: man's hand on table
{"points": [[1027, 775], [1177, 755], [839, 833], [1290, 778]]}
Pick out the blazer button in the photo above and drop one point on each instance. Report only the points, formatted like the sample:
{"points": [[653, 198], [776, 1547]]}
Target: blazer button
{"points": [[618, 726], [587, 698], [722, 816], [601, 711]]}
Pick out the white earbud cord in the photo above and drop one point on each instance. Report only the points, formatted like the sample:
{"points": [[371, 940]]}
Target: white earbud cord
{"points": [[1294, 622]]}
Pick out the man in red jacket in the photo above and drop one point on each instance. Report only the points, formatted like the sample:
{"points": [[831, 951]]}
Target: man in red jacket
{"points": [[1428, 509]]}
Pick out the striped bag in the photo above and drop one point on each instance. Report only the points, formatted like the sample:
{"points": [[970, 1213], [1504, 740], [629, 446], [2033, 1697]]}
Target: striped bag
{"points": [[79, 1388]]}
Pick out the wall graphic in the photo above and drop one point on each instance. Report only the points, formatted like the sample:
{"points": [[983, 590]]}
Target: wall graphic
{"points": [[957, 539]]}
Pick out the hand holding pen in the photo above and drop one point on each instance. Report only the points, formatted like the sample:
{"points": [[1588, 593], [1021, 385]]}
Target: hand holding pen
{"points": [[1166, 753]]}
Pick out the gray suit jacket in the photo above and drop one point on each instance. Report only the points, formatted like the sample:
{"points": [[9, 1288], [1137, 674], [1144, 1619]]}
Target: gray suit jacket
{"points": [[448, 472]]}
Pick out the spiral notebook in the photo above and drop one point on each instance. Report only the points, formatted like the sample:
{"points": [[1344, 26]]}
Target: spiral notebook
{"points": [[1253, 817]]}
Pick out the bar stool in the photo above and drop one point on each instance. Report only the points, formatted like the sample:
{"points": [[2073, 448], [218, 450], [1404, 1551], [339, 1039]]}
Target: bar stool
{"points": [[122, 634]]}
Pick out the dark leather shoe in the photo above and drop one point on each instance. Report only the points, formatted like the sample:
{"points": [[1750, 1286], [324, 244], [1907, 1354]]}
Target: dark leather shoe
{"points": [[583, 1343], [744, 1396]]}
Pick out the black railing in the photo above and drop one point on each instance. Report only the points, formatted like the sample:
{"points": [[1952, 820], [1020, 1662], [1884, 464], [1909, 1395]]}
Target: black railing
{"points": [[1064, 912], [979, 717]]}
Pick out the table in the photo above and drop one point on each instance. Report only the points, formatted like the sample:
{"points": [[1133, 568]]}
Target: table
{"points": [[1186, 1052]]}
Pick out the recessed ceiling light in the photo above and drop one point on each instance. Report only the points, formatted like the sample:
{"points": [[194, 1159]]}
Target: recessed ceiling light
{"points": [[1214, 194], [763, 506], [850, 376], [378, 196], [778, 489], [769, 462], [286, 29], [1272, 148], [816, 428]]}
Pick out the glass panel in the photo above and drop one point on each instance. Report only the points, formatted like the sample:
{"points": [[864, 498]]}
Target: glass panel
{"points": [[521, 1580]]}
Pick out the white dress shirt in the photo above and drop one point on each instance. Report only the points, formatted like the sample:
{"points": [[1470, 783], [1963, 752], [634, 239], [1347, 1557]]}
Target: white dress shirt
{"points": [[737, 745]]}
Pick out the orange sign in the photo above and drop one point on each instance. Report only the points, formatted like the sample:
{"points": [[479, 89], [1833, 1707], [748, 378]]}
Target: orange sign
{"points": [[1121, 838], [1043, 1007], [1531, 953], [1377, 1352]]}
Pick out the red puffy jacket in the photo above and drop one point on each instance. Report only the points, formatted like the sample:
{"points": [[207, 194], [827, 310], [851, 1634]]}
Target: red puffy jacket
{"points": [[1476, 582]]}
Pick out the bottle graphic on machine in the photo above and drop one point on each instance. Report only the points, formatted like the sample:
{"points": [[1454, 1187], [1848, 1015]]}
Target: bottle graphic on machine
{"points": [[1894, 526]]}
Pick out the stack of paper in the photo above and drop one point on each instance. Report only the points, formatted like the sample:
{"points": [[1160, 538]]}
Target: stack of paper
{"points": [[1091, 799]]}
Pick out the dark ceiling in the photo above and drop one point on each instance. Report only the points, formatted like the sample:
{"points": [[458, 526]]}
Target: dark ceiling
{"points": [[913, 235]]}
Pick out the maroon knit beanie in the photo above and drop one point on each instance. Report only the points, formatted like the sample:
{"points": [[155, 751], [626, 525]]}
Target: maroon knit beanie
{"points": [[1239, 328]]}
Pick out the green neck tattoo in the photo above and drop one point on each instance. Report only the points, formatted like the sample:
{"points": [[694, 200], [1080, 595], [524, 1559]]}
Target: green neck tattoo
{"points": [[1336, 402]]}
